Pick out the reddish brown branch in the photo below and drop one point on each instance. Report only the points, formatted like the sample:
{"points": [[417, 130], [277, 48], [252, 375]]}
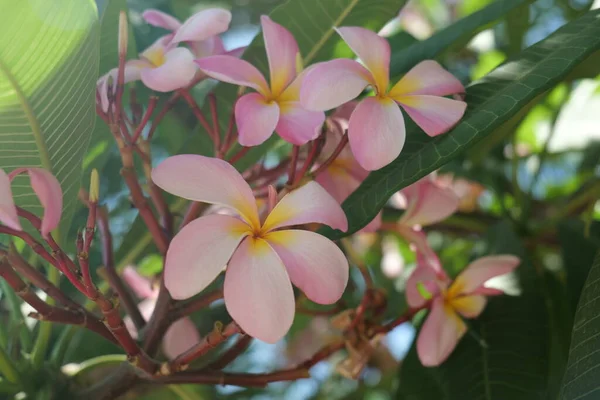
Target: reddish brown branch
{"points": [[239, 155], [159, 322], [198, 113], [191, 306], [231, 353], [212, 102], [293, 165], [333, 156], [138, 131], [194, 210]]}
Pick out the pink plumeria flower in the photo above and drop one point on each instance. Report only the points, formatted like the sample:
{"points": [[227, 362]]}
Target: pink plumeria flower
{"points": [[261, 257], [47, 189], [274, 107], [377, 132], [180, 336], [451, 300]]}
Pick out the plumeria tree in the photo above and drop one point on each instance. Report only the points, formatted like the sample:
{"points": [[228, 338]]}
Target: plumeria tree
{"points": [[189, 210]]}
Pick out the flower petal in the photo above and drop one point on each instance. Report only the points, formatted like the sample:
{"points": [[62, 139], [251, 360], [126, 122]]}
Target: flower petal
{"points": [[282, 51], [233, 70], [207, 180], [256, 119], [435, 115], [199, 252], [307, 204], [203, 24], [8, 210], [161, 19], [337, 182], [482, 270], [48, 190], [426, 202], [314, 263], [469, 306], [421, 276], [180, 336], [330, 84], [213, 46], [176, 72], [141, 286], [373, 51], [376, 132], [297, 125], [440, 334], [258, 292], [429, 78]]}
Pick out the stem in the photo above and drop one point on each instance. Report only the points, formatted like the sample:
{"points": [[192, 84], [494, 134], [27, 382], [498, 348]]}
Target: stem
{"points": [[232, 353], [159, 322], [156, 195], [185, 309], [151, 106], [194, 210], [212, 102], [312, 156], [293, 165], [229, 136], [198, 113], [238, 156], [161, 114], [333, 156]]}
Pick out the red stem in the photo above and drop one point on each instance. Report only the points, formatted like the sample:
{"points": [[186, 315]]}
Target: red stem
{"points": [[333, 156], [293, 165], [152, 102], [212, 102], [198, 113], [239, 155]]}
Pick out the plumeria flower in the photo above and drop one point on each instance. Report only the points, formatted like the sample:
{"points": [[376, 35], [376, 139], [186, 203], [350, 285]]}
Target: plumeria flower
{"points": [[468, 192], [180, 336], [451, 300], [262, 254], [274, 107], [376, 131], [47, 189]]}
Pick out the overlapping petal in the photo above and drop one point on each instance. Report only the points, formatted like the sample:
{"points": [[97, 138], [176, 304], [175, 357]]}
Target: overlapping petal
{"points": [[282, 51], [426, 202], [8, 211], [314, 263], [469, 306], [332, 83], [208, 180], [298, 125], [176, 72], [141, 286], [425, 277], [48, 190], [199, 252], [256, 119], [427, 78], [180, 336], [233, 70], [482, 270], [307, 204], [161, 19], [258, 292], [376, 132], [203, 24], [434, 114]]}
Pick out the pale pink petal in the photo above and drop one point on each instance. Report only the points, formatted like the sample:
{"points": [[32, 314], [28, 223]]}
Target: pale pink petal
{"points": [[282, 51], [233, 70], [199, 252], [256, 119], [373, 51], [345, 110], [108, 81], [307, 204], [8, 210], [176, 72], [297, 125], [426, 202], [469, 306], [180, 336], [337, 182], [161, 19], [421, 276], [212, 46], [156, 51], [48, 190], [208, 180], [435, 115], [376, 132], [146, 308], [237, 52], [482, 270], [330, 84], [141, 286], [258, 292], [440, 334], [429, 78], [203, 24], [418, 241], [314, 263]]}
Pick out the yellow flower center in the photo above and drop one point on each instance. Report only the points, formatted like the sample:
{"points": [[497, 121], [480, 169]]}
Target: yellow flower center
{"points": [[156, 56]]}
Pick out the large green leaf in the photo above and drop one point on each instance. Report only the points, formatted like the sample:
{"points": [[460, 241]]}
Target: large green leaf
{"points": [[48, 67], [492, 102], [582, 378]]}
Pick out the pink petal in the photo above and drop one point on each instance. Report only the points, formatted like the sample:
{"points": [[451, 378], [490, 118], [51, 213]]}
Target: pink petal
{"points": [[440, 334], [426, 202], [429, 78], [282, 51], [376, 132], [161, 19], [146, 309], [180, 336], [337, 182], [8, 211], [233, 70], [176, 72], [203, 24], [207, 180], [469, 306], [141, 286], [199, 252], [482, 270], [258, 292], [297, 125], [330, 84], [213, 46], [373, 51], [307, 204], [48, 190], [314, 263], [133, 69], [157, 49], [435, 115], [421, 276], [256, 119]]}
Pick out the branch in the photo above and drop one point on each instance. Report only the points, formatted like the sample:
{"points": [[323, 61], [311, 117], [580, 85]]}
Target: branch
{"points": [[187, 308], [232, 353]]}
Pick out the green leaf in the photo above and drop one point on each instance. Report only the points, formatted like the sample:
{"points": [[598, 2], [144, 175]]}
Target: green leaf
{"points": [[402, 61], [492, 102], [582, 377], [48, 67]]}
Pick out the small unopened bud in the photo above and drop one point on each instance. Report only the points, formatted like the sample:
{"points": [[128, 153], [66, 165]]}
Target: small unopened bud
{"points": [[272, 198], [94, 186], [123, 32]]}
